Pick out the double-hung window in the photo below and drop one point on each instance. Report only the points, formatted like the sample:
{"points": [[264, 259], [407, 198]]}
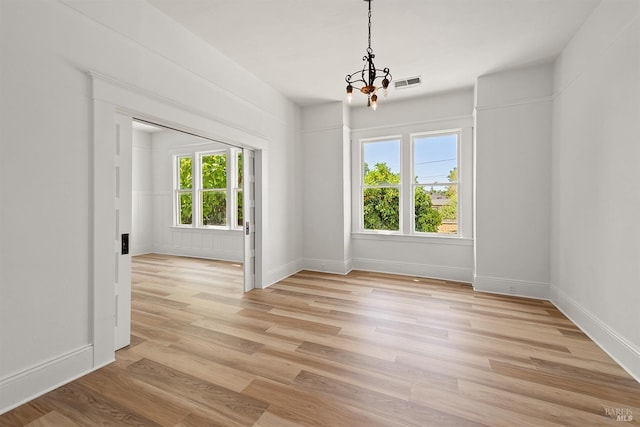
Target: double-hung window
{"points": [[213, 189], [409, 184], [184, 190], [208, 189], [435, 187], [238, 189], [381, 185]]}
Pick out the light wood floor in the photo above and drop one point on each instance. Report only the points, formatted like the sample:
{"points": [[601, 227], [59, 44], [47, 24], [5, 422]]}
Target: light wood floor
{"points": [[315, 349]]}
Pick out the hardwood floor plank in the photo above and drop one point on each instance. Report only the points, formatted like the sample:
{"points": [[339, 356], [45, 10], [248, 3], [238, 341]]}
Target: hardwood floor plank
{"points": [[474, 411], [354, 375], [577, 384], [379, 403], [53, 419], [235, 406], [85, 407], [309, 409]]}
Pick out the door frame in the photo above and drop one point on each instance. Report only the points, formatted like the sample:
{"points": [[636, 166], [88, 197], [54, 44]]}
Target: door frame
{"points": [[111, 96]]}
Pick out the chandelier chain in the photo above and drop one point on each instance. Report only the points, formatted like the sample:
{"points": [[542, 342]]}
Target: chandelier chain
{"points": [[369, 49]]}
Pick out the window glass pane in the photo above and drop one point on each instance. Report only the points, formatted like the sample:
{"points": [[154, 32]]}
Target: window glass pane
{"points": [[381, 162], [214, 208], [214, 171], [185, 208], [239, 212], [240, 169], [436, 158], [381, 208], [436, 209], [184, 173]]}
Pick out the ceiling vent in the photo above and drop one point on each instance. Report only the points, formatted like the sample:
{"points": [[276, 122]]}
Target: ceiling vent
{"points": [[405, 83]]}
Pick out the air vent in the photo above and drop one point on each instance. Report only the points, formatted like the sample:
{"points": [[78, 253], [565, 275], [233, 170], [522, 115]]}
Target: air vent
{"points": [[405, 83]]}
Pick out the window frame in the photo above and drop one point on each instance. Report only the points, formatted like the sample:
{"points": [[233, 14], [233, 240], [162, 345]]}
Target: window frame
{"points": [[200, 190], [413, 137], [197, 189], [177, 191], [399, 186], [463, 125]]}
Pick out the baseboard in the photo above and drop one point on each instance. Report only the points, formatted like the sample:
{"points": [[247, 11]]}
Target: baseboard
{"points": [[282, 272], [142, 250], [327, 266], [519, 288], [26, 385], [195, 253], [617, 347], [455, 274]]}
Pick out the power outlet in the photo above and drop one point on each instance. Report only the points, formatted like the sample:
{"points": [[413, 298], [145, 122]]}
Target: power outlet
{"points": [[512, 289]]}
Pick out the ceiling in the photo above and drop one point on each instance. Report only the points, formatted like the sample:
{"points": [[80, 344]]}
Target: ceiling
{"points": [[305, 48]]}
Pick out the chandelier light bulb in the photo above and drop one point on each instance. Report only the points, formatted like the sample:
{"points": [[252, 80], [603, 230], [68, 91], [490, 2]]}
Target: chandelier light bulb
{"points": [[374, 101]]}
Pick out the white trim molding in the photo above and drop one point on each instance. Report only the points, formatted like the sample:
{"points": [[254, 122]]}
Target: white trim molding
{"points": [[520, 288], [327, 266], [282, 272], [621, 350], [30, 383], [438, 272]]}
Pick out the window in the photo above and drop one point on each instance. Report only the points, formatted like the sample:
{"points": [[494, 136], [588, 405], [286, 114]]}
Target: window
{"points": [[409, 184], [435, 187], [213, 193], [204, 201], [238, 190], [381, 184], [184, 190]]}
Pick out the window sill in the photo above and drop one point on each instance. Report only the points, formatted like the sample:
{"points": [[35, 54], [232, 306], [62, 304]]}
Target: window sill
{"points": [[405, 238], [189, 228]]}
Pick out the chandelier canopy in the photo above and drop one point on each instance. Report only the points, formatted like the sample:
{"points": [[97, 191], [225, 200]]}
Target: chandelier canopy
{"points": [[365, 80]]}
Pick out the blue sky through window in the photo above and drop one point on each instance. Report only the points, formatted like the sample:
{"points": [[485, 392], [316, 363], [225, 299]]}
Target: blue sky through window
{"points": [[435, 156], [383, 152]]}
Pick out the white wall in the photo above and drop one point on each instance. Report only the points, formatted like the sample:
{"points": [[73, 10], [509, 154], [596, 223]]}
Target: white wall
{"points": [[327, 191], [184, 241], [449, 258], [595, 263], [512, 182], [46, 121], [142, 208]]}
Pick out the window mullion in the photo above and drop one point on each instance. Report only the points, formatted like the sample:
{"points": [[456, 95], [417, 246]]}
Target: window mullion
{"points": [[197, 191]]}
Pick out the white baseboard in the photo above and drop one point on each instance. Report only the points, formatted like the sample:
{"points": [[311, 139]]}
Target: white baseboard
{"points": [[519, 288], [282, 272], [455, 274], [621, 350], [142, 250], [28, 384], [327, 266], [197, 253]]}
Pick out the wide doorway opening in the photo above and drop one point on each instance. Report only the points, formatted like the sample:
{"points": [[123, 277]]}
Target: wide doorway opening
{"points": [[179, 194]]}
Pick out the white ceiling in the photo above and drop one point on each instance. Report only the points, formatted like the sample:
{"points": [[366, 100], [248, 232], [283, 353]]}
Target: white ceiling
{"points": [[305, 48]]}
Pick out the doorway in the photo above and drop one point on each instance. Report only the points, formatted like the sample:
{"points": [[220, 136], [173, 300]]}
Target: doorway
{"points": [[111, 97], [181, 194]]}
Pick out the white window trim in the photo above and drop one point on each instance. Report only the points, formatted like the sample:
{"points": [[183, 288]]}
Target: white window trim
{"points": [[197, 190], [466, 167], [412, 138], [177, 191], [362, 186]]}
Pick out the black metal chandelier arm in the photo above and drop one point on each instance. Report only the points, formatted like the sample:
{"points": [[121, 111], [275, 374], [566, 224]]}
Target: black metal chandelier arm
{"points": [[349, 78]]}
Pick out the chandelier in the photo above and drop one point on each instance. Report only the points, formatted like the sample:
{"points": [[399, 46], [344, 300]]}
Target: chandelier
{"points": [[365, 80]]}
